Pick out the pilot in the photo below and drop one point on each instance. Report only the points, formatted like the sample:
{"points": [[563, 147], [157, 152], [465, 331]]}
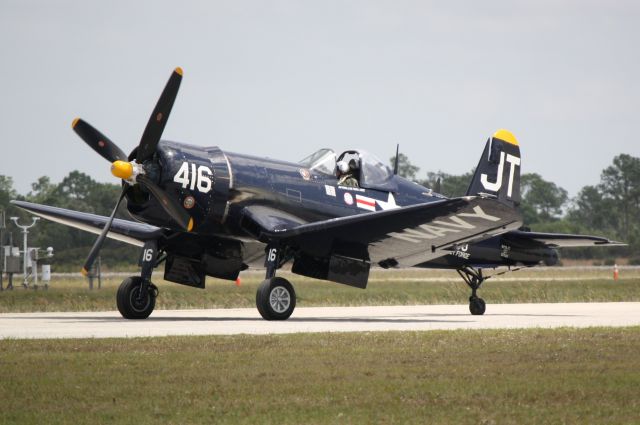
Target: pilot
{"points": [[346, 174]]}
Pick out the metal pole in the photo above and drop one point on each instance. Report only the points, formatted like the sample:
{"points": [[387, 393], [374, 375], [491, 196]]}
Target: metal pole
{"points": [[10, 285], [34, 266], [2, 255], [91, 274], [25, 232], [25, 281], [99, 272]]}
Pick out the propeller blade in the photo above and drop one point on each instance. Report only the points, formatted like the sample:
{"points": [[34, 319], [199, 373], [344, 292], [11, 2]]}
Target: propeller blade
{"points": [[98, 141], [158, 119], [95, 249], [171, 206]]}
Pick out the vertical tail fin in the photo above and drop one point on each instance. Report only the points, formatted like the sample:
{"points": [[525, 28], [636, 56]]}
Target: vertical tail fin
{"points": [[498, 172]]}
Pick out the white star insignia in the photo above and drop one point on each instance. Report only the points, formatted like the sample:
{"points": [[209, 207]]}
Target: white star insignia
{"points": [[390, 204]]}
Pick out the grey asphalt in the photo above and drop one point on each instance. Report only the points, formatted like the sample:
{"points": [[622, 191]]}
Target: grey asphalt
{"points": [[317, 319]]}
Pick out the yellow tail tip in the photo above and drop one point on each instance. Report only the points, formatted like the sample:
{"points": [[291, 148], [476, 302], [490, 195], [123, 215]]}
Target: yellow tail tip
{"points": [[506, 136], [179, 71], [75, 122]]}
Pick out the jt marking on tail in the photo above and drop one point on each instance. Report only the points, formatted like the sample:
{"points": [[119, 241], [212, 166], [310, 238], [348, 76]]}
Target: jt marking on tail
{"points": [[495, 186], [489, 177]]}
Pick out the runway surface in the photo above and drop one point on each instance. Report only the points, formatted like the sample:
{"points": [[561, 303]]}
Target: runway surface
{"points": [[317, 319]]}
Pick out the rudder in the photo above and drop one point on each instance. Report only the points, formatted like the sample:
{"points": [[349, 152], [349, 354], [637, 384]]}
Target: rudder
{"points": [[498, 171]]}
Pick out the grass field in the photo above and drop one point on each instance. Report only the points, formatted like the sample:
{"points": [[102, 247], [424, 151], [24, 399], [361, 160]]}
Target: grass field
{"points": [[385, 288], [463, 377]]}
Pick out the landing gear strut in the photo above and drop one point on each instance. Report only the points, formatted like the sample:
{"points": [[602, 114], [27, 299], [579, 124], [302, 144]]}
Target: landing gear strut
{"points": [[276, 298], [136, 296], [473, 278]]}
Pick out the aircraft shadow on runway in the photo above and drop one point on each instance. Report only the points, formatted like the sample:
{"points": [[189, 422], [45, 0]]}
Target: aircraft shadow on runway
{"points": [[404, 318]]}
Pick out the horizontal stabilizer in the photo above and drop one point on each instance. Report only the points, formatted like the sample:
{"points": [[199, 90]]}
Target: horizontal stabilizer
{"points": [[560, 240]]}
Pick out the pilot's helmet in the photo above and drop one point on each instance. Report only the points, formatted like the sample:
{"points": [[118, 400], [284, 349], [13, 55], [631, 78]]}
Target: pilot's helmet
{"points": [[343, 167], [352, 165]]}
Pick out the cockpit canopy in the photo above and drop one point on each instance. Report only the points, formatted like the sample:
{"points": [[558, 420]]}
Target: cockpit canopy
{"points": [[322, 161], [370, 171]]}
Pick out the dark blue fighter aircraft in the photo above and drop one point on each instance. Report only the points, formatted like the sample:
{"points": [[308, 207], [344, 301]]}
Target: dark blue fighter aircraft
{"points": [[207, 212]]}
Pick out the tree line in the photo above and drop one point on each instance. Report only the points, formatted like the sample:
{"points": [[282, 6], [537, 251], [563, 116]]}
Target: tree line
{"points": [[610, 208], [77, 191]]}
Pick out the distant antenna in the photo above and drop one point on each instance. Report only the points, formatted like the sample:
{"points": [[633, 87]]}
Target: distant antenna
{"points": [[438, 187], [395, 167]]}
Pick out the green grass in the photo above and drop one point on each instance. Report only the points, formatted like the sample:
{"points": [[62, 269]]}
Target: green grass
{"points": [[385, 288], [462, 377]]}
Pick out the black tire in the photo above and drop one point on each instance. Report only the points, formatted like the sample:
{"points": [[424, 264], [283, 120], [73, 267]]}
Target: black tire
{"points": [[275, 299], [126, 299], [477, 306]]}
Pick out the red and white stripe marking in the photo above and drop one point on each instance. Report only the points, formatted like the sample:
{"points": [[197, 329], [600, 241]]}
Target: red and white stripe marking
{"points": [[366, 203]]}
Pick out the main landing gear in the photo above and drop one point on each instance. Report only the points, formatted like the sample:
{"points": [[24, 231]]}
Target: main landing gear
{"points": [[276, 298], [473, 278], [136, 296], [134, 300]]}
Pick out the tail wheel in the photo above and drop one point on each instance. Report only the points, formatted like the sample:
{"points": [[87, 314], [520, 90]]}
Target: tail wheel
{"points": [[477, 306], [474, 278], [275, 299], [130, 305]]}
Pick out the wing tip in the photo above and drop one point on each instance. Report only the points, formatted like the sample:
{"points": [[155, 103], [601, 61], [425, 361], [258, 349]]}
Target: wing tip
{"points": [[611, 243]]}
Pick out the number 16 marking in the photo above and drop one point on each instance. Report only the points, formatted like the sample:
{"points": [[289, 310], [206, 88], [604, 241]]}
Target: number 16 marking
{"points": [[147, 255], [273, 253]]}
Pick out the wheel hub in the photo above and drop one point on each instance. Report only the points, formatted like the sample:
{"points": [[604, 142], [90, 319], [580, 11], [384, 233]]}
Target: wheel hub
{"points": [[279, 299], [138, 303]]}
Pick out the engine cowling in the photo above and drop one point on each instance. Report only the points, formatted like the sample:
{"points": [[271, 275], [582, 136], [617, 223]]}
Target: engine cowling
{"points": [[198, 178]]}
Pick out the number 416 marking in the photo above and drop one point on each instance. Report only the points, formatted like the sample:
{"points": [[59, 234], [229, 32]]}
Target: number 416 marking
{"points": [[193, 177]]}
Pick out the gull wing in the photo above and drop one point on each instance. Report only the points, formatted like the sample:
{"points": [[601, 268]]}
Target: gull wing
{"points": [[403, 236], [126, 231]]}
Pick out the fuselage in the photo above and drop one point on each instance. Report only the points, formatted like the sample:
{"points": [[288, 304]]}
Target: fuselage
{"points": [[217, 186]]}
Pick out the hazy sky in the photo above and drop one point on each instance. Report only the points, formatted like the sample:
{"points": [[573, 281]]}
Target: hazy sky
{"points": [[284, 78]]}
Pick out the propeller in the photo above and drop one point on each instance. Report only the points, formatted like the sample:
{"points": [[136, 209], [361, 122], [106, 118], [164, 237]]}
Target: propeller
{"points": [[98, 141], [158, 118], [134, 172], [95, 249], [170, 205]]}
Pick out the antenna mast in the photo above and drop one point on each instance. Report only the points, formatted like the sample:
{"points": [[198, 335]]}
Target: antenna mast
{"points": [[395, 167]]}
